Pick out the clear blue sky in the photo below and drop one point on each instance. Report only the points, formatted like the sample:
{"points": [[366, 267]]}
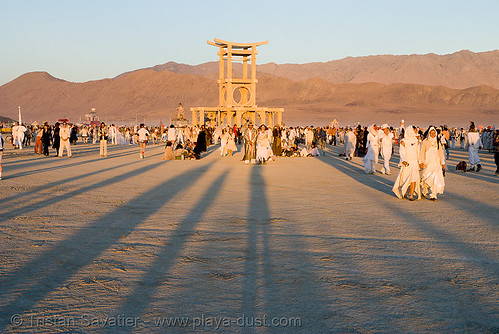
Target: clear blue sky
{"points": [[90, 40]]}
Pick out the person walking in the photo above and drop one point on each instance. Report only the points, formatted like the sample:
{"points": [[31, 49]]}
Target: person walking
{"points": [[143, 135], [474, 144], [46, 139], [371, 157], [64, 133], [408, 177], [432, 162], [38, 141], [103, 137], [385, 140]]}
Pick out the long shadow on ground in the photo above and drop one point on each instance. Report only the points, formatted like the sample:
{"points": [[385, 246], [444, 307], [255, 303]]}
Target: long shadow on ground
{"points": [[33, 281]]}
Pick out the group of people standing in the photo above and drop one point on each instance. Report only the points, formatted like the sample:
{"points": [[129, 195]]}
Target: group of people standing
{"points": [[59, 137], [416, 154], [426, 151], [418, 151]]}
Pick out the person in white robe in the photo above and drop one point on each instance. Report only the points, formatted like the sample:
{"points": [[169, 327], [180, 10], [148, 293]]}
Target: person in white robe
{"points": [[95, 134], [371, 157], [314, 151], [224, 138], [21, 129], [408, 177], [127, 136], [385, 141], [432, 161], [262, 145], [309, 137], [84, 134], [350, 142], [172, 134], [292, 136], [14, 135], [474, 144], [462, 139], [217, 134], [230, 145], [120, 138], [112, 135]]}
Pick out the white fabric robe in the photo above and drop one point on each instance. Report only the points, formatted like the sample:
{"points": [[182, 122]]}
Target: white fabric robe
{"points": [[371, 157], [410, 173], [350, 142], [432, 177], [223, 141], [262, 147], [474, 143], [386, 150]]}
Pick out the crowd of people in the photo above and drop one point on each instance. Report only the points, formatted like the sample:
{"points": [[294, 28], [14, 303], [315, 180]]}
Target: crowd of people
{"points": [[419, 150], [423, 153]]}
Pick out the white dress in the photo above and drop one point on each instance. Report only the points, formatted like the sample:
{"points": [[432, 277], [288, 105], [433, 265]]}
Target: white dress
{"points": [[474, 143], [409, 152], [350, 142], [262, 147], [223, 143], [231, 143], [386, 150], [432, 178], [371, 157]]}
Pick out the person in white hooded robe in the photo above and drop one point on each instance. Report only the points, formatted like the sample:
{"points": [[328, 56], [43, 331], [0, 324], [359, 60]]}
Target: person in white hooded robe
{"points": [[350, 142], [432, 161], [385, 141], [224, 138], [371, 157], [474, 144], [408, 177]]}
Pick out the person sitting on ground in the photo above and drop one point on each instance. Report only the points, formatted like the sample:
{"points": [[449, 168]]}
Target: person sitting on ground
{"points": [[180, 152], [169, 152], [189, 147], [314, 151], [291, 151]]}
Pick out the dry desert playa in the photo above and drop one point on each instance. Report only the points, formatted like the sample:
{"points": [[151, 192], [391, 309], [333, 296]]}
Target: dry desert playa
{"points": [[310, 245]]}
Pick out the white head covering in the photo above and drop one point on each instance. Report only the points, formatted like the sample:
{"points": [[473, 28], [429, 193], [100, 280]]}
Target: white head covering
{"points": [[384, 126], [433, 141], [410, 135]]}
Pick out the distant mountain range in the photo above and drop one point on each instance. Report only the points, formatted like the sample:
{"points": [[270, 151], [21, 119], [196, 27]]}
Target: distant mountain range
{"points": [[459, 70], [463, 84]]}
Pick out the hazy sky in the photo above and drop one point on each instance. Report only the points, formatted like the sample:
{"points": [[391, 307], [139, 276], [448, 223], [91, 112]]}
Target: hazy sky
{"points": [[90, 40]]}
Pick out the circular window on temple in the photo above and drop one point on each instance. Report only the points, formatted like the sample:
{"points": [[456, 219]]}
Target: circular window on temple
{"points": [[241, 95]]}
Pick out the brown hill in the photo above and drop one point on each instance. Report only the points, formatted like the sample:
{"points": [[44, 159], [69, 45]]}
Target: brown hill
{"points": [[153, 95], [462, 69]]}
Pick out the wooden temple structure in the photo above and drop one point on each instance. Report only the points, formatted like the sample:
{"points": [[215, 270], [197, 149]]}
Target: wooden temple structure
{"points": [[236, 96]]}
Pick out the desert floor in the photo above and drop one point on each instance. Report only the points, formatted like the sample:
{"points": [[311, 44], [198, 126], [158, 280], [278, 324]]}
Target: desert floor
{"points": [[308, 245]]}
